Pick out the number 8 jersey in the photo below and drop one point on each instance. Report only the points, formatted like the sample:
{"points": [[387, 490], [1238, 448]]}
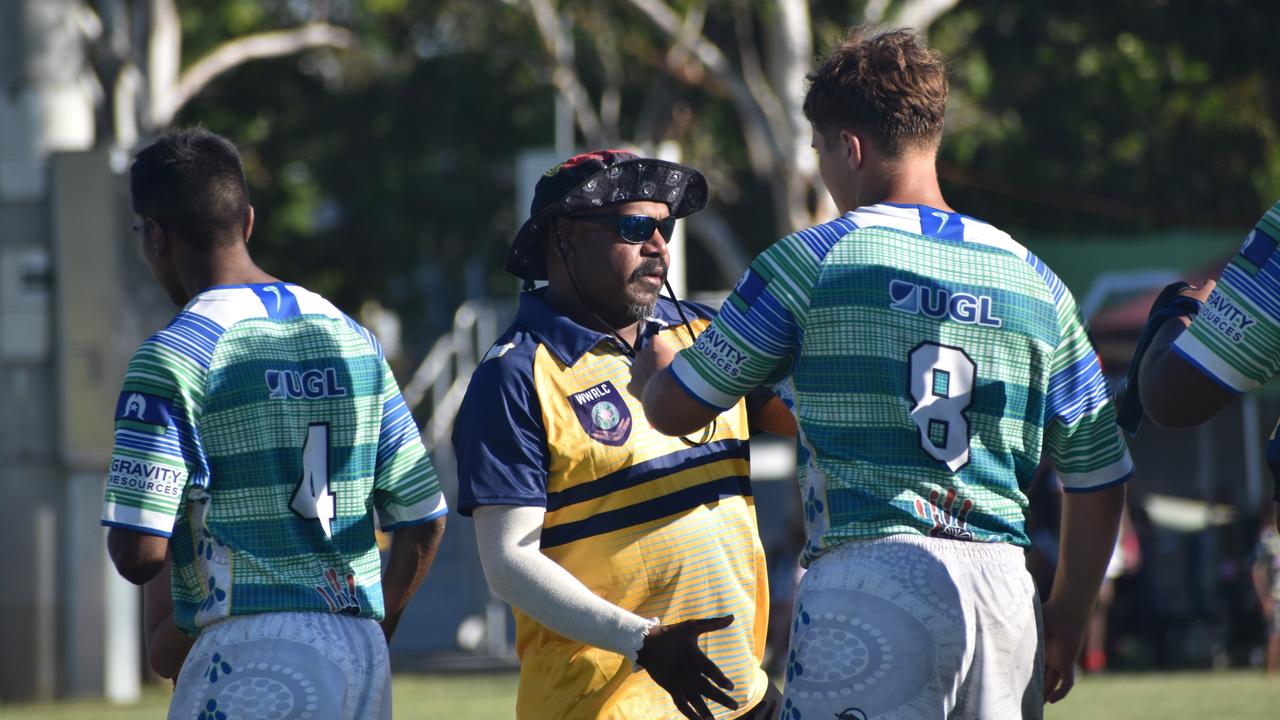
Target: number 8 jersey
{"points": [[930, 359], [264, 434]]}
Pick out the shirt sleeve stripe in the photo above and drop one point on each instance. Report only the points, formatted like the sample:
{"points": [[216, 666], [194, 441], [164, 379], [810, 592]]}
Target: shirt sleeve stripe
{"points": [[1051, 280], [150, 444], [398, 428], [1116, 472], [697, 388], [192, 335], [1191, 349], [1076, 390], [1261, 290], [364, 333], [149, 522], [395, 517], [772, 320]]}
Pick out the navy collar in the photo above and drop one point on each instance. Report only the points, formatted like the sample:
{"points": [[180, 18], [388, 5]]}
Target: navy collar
{"points": [[568, 340]]}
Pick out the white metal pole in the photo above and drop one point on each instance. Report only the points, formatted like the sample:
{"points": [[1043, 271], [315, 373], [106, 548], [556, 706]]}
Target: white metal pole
{"points": [[670, 150], [564, 109]]}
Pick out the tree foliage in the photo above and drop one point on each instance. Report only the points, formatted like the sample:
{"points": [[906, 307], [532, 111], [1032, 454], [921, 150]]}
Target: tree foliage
{"points": [[1130, 115], [386, 171]]}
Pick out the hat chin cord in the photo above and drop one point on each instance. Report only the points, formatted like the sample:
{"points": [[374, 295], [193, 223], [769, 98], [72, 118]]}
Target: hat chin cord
{"points": [[710, 431], [582, 296]]}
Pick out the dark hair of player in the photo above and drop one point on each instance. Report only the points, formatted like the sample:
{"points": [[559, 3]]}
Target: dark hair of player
{"points": [[191, 181], [888, 85]]}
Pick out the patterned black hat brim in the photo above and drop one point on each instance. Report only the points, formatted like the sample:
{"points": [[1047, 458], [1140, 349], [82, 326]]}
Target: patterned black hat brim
{"points": [[681, 188]]}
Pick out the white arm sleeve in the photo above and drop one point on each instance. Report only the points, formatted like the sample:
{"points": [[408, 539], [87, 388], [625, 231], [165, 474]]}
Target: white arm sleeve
{"points": [[509, 538]]}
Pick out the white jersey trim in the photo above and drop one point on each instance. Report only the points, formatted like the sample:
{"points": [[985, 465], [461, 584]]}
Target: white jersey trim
{"points": [[907, 219], [699, 389], [148, 521], [1115, 472], [1190, 348], [227, 306], [310, 303], [429, 508], [980, 233]]}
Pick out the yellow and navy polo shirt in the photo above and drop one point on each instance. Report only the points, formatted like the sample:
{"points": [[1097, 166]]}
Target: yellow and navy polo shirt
{"points": [[664, 527]]}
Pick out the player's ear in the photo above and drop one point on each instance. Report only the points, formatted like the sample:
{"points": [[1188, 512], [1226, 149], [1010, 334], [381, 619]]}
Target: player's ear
{"points": [[157, 238], [248, 224], [852, 146]]}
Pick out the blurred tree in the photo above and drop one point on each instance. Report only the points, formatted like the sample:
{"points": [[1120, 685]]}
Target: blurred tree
{"points": [[739, 68], [386, 172], [136, 59], [1113, 115]]}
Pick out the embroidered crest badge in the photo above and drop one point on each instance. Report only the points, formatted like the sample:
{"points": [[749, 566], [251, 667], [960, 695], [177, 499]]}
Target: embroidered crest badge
{"points": [[603, 413]]}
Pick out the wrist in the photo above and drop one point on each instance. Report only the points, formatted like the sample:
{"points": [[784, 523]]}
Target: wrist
{"points": [[638, 641], [1074, 610]]}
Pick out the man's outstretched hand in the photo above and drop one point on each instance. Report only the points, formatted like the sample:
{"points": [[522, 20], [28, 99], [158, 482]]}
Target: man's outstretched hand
{"points": [[671, 656]]}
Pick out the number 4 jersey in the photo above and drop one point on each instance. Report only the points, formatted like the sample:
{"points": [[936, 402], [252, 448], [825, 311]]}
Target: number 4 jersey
{"points": [[264, 434], [930, 358]]}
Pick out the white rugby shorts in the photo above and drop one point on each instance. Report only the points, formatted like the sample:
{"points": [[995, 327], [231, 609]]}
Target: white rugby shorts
{"points": [[910, 627], [286, 666]]}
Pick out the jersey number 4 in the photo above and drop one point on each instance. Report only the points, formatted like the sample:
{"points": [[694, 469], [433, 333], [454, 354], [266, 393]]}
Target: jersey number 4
{"points": [[941, 384], [312, 499]]}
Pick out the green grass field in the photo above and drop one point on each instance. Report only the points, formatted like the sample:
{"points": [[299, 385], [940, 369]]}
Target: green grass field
{"points": [[1169, 696]]}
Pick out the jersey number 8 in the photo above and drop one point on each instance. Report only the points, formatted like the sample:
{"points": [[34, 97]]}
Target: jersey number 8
{"points": [[941, 385]]}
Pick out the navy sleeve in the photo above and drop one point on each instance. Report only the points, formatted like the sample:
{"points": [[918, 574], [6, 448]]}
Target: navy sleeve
{"points": [[706, 312], [498, 437]]}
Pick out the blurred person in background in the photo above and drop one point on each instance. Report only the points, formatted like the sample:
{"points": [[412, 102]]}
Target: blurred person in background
{"points": [[1126, 559], [1266, 583], [1044, 514], [260, 439], [931, 359], [617, 547]]}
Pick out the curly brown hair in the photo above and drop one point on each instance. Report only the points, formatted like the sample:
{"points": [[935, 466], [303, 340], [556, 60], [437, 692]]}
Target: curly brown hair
{"points": [[889, 85]]}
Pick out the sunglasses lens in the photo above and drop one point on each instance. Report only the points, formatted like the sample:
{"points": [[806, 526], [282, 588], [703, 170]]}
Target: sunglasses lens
{"points": [[636, 228], [639, 228]]}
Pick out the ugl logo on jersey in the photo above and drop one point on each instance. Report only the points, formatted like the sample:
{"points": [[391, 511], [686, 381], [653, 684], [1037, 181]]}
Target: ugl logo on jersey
{"points": [[603, 413], [941, 304], [307, 385]]}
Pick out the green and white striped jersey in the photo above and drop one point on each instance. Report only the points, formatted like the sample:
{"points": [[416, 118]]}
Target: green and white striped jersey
{"points": [[263, 433], [930, 360], [1236, 337]]}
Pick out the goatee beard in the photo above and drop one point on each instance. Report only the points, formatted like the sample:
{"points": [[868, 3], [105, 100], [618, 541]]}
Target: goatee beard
{"points": [[641, 311], [638, 311]]}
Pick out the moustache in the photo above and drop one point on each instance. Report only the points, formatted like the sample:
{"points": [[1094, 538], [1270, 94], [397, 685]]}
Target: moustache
{"points": [[651, 266]]}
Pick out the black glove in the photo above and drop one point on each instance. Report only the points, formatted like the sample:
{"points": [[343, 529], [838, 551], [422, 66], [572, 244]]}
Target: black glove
{"points": [[674, 661], [1170, 303]]}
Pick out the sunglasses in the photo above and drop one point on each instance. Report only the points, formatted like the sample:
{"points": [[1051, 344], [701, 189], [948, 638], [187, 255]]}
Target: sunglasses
{"points": [[635, 229]]}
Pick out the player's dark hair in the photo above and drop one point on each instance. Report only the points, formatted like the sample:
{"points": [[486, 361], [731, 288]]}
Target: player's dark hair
{"points": [[191, 181], [889, 85]]}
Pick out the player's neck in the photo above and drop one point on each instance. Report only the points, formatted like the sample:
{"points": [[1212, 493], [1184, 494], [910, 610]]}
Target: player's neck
{"points": [[231, 266], [910, 181]]}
